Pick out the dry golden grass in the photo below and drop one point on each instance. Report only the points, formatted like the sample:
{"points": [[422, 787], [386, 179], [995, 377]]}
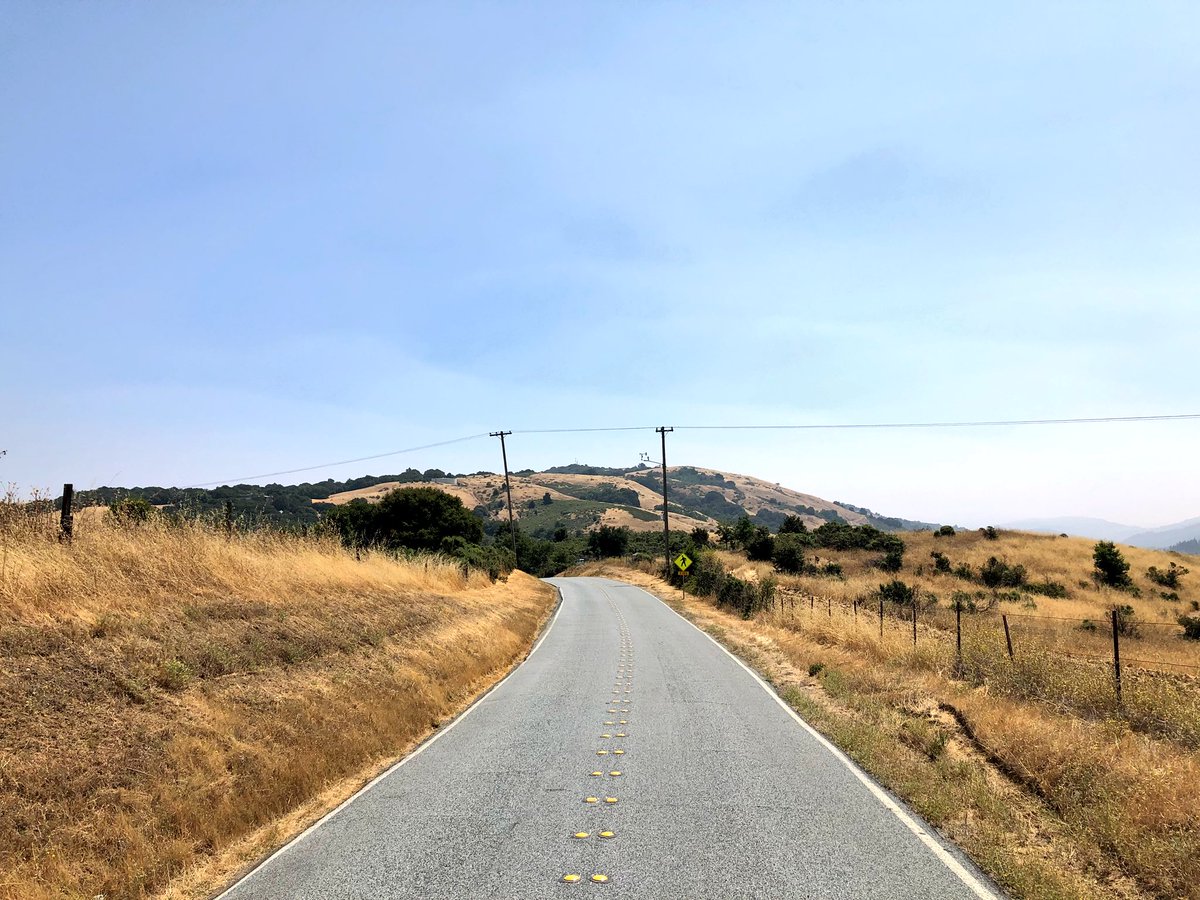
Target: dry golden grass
{"points": [[1049, 803], [1067, 561], [168, 695]]}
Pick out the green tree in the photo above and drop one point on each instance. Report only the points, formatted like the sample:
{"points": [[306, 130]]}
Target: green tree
{"points": [[409, 518], [1111, 567], [608, 540], [700, 536], [792, 525], [760, 546], [789, 553]]}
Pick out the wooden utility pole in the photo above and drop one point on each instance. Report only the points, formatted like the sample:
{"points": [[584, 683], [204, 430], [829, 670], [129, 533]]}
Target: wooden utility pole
{"points": [[666, 516], [67, 520], [512, 528]]}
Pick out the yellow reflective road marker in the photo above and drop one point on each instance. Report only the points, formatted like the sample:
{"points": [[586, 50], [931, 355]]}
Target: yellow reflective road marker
{"points": [[607, 834], [581, 834], [610, 799], [622, 734], [610, 723], [599, 878], [618, 752], [614, 773], [623, 722], [594, 774], [606, 735], [591, 799], [570, 879], [602, 753]]}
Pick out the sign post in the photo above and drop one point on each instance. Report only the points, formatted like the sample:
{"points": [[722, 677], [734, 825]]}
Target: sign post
{"points": [[682, 562]]}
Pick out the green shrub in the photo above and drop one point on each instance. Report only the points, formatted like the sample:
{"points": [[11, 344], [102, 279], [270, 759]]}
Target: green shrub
{"points": [[896, 591], [1127, 624], [789, 554], [1191, 627], [964, 571], [173, 674], [945, 531], [892, 560], [700, 536], [1047, 589], [996, 573], [1111, 567], [130, 511], [1169, 577], [815, 669], [990, 533], [705, 575], [941, 562], [832, 570], [761, 546]]}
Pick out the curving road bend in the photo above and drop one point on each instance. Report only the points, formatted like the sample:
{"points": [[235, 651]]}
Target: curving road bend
{"points": [[633, 756]]}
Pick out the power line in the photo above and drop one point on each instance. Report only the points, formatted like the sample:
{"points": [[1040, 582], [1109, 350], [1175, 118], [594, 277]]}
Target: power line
{"points": [[980, 424], [793, 427], [344, 462], [1092, 420]]}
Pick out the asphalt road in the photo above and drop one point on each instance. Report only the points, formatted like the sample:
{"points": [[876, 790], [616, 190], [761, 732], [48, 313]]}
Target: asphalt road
{"points": [[721, 791]]}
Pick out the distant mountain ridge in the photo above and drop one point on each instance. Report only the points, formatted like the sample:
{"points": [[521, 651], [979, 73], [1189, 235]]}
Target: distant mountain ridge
{"points": [[1166, 537], [1077, 526]]}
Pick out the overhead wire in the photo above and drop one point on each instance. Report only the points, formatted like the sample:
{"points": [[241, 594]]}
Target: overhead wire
{"points": [[344, 462], [749, 427]]}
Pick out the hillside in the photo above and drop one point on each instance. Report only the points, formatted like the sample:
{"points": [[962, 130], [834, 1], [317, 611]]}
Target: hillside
{"points": [[172, 697], [579, 498]]}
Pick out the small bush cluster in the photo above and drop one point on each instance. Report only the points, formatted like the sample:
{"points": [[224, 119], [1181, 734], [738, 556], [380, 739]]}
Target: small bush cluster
{"points": [[996, 573], [1169, 577], [708, 578]]}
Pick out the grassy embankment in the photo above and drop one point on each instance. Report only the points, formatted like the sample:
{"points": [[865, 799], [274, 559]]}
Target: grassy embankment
{"points": [[173, 703], [1028, 765]]}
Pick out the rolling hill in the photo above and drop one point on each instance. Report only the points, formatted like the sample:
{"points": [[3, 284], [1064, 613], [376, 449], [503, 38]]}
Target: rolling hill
{"points": [[579, 498]]}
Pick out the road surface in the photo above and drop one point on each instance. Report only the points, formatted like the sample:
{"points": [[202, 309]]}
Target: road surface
{"points": [[633, 752]]}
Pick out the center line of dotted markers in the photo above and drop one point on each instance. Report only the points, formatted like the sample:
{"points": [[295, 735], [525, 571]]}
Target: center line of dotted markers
{"points": [[624, 682]]}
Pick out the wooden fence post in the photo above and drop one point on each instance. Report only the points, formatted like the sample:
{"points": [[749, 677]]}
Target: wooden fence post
{"points": [[958, 634], [881, 618], [1007, 637], [829, 601], [914, 621], [1116, 657], [66, 521]]}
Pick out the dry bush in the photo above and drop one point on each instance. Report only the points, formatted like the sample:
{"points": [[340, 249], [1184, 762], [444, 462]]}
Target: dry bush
{"points": [[165, 690]]}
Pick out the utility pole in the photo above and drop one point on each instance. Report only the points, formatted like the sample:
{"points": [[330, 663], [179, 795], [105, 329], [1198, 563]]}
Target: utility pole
{"points": [[512, 528], [666, 517]]}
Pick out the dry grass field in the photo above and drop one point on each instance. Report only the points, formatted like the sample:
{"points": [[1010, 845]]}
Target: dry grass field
{"points": [[1028, 764], [173, 703]]}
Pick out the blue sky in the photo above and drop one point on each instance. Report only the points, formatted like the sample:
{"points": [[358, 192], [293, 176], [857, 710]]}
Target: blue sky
{"points": [[244, 237]]}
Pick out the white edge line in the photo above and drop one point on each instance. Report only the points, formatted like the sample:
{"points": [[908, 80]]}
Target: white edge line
{"points": [[945, 856], [421, 748]]}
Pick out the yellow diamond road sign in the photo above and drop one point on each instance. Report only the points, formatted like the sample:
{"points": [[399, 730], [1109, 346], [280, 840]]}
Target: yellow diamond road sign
{"points": [[682, 561]]}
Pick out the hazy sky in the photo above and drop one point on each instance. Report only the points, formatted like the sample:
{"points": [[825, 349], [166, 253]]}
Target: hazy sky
{"points": [[243, 237]]}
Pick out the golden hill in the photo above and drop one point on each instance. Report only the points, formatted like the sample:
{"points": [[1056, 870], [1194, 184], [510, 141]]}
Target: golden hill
{"points": [[699, 498]]}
